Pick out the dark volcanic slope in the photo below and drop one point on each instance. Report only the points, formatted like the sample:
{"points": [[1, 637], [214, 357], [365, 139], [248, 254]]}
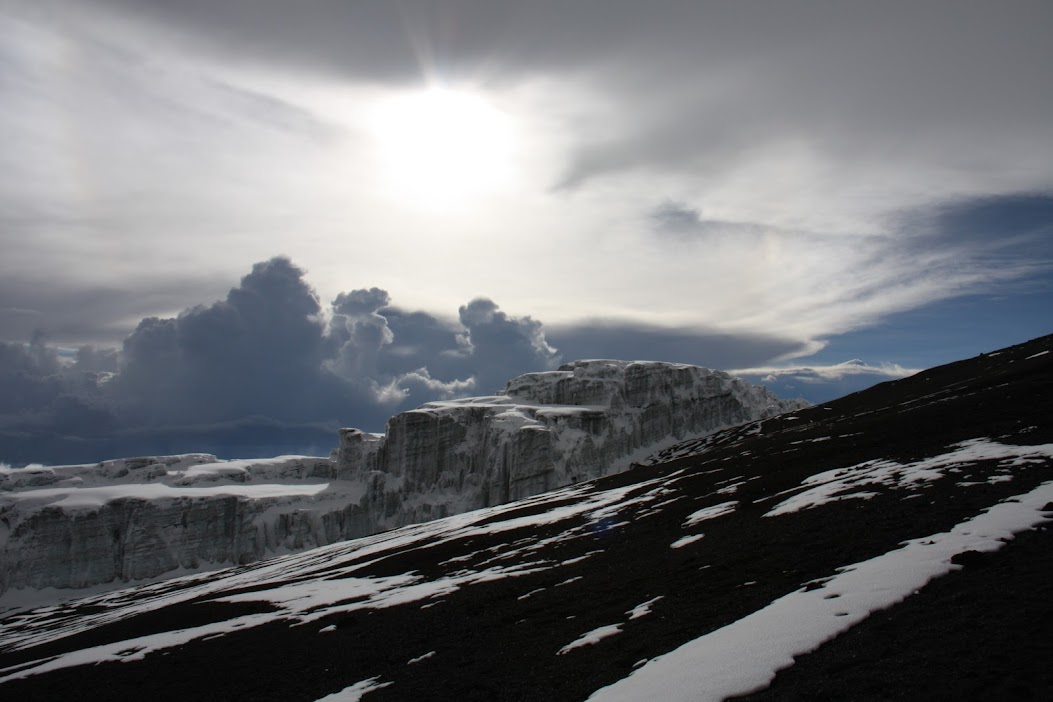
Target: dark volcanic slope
{"points": [[490, 605]]}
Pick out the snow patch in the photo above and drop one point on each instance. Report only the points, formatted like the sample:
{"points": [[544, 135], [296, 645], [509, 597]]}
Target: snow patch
{"points": [[708, 513], [744, 656], [591, 637], [685, 540], [643, 609], [418, 659], [132, 649], [356, 691]]}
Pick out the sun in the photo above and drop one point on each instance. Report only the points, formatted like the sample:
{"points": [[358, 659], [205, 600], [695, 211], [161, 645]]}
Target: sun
{"points": [[443, 149]]}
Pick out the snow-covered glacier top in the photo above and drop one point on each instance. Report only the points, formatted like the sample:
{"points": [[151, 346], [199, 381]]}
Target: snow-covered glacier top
{"points": [[609, 382], [586, 419]]}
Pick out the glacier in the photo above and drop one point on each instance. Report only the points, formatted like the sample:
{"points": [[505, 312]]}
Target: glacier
{"points": [[141, 518]]}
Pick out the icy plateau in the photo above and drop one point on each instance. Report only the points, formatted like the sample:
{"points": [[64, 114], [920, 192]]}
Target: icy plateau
{"points": [[138, 518]]}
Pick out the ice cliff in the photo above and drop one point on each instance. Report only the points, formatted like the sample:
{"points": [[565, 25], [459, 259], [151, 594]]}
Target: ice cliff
{"points": [[129, 519]]}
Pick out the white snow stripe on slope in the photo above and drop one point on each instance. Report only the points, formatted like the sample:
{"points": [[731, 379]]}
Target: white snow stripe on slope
{"points": [[643, 609], [355, 692], [418, 659], [134, 649], [708, 513], [744, 656], [591, 637], [686, 540]]}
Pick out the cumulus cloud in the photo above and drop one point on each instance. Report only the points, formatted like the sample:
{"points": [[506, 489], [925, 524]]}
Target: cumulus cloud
{"points": [[91, 359], [268, 367], [30, 375], [38, 392], [419, 383], [406, 357], [359, 331], [495, 342], [262, 346]]}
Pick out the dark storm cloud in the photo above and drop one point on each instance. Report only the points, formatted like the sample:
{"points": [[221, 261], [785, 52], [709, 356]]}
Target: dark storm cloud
{"points": [[422, 339], [40, 396], [250, 365], [430, 358], [359, 332], [257, 373], [29, 376], [496, 343], [89, 359], [262, 347]]}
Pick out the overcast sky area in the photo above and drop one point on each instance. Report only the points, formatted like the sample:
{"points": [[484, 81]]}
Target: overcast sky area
{"points": [[234, 225]]}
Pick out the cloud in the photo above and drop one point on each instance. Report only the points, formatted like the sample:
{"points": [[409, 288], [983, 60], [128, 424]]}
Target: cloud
{"points": [[809, 182], [820, 383], [30, 376], [837, 371], [675, 217], [89, 359], [38, 393], [787, 142], [420, 384], [496, 342], [261, 347], [360, 331], [265, 363], [104, 311], [753, 103], [711, 349]]}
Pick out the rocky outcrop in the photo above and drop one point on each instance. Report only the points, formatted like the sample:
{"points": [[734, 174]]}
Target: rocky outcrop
{"points": [[129, 519]]}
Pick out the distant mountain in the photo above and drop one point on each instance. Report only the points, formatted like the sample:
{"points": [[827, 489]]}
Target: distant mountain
{"points": [[893, 544], [140, 518]]}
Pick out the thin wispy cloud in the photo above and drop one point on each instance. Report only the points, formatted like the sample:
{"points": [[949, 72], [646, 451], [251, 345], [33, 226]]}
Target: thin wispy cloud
{"points": [[836, 371]]}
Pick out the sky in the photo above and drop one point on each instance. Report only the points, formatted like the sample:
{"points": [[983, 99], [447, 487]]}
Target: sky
{"points": [[235, 225]]}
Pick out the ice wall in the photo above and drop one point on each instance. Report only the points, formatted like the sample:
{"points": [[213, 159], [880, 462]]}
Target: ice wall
{"points": [[135, 518], [546, 430]]}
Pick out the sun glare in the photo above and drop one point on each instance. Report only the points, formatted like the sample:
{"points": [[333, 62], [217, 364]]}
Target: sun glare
{"points": [[443, 149]]}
